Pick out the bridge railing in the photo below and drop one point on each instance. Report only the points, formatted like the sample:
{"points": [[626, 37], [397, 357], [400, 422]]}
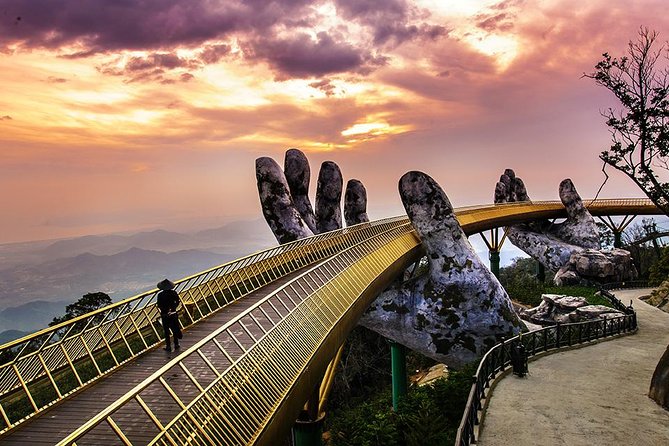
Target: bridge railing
{"points": [[40, 369], [498, 358], [239, 375]]}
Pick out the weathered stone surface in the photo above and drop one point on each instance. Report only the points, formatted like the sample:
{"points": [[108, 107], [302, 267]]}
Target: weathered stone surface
{"points": [[570, 248], [355, 203], [564, 303], [559, 308], [659, 384], [595, 312], [599, 266], [328, 198], [298, 175], [277, 204], [456, 311]]}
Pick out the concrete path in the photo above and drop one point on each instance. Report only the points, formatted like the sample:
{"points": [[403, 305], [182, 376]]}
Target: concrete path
{"points": [[595, 395]]}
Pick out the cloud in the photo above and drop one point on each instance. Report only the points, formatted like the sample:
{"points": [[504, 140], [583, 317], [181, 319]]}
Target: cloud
{"points": [[391, 21], [55, 80], [5, 118], [324, 85], [302, 56], [495, 22]]}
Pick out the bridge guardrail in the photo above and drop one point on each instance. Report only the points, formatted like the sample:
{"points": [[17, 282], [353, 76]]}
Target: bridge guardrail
{"points": [[43, 368], [548, 338], [254, 360]]}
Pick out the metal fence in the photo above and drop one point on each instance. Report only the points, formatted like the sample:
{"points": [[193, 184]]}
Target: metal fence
{"points": [[239, 376], [498, 358], [38, 370]]}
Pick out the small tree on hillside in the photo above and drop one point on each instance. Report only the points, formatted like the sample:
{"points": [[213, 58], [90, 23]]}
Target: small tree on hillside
{"points": [[88, 302], [640, 129]]}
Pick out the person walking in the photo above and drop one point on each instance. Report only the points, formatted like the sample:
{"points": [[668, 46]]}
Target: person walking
{"points": [[168, 301]]}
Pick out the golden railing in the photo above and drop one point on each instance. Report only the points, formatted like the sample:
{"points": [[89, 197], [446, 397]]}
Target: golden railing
{"points": [[43, 368], [248, 379]]}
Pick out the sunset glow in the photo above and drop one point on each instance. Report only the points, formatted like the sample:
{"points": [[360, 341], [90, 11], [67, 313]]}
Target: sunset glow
{"points": [[119, 116]]}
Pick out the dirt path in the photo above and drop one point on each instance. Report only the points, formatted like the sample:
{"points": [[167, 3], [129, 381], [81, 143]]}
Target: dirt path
{"points": [[596, 395]]}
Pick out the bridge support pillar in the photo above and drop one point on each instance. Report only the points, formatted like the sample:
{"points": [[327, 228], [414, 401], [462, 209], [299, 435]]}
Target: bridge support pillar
{"points": [[398, 360], [494, 262], [494, 244], [617, 228], [308, 433], [541, 272]]}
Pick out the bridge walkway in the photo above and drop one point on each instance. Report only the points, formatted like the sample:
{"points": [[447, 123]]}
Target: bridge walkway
{"points": [[589, 396], [59, 421]]}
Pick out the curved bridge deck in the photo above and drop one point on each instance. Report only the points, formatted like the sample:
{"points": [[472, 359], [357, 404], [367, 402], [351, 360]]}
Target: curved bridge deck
{"points": [[246, 368], [58, 422]]}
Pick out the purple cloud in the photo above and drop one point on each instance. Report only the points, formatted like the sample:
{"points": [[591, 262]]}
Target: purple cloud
{"points": [[100, 26], [391, 21], [301, 56]]}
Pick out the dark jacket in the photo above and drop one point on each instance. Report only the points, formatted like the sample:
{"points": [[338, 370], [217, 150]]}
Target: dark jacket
{"points": [[167, 301]]}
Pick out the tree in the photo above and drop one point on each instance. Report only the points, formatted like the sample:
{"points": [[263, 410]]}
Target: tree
{"points": [[640, 130], [640, 133], [88, 302]]}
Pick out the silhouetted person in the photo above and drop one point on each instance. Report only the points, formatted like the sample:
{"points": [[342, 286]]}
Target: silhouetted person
{"points": [[168, 301]]}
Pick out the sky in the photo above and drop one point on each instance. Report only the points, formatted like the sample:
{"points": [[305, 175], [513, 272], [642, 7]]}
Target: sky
{"points": [[134, 115]]}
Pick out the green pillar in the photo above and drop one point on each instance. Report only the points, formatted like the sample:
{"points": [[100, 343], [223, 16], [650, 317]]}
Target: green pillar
{"points": [[308, 429], [617, 239], [494, 262], [308, 433], [398, 360], [541, 272]]}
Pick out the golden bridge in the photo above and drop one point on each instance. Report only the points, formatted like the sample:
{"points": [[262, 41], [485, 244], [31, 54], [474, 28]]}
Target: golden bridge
{"points": [[262, 335]]}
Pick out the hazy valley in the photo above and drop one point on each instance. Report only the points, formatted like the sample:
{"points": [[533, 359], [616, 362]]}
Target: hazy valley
{"points": [[37, 279]]}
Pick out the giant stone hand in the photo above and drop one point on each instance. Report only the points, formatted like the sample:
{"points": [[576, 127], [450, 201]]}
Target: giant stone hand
{"points": [[285, 201], [454, 312], [571, 249], [458, 310]]}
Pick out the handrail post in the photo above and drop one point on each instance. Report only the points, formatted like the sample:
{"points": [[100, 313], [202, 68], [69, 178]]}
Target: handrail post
{"points": [[557, 335]]}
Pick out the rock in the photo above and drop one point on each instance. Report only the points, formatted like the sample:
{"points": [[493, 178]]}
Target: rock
{"points": [[565, 303], [563, 309], [298, 176], [659, 384], [328, 198], [277, 204], [458, 310], [598, 266], [355, 203], [596, 312], [435, 372]]}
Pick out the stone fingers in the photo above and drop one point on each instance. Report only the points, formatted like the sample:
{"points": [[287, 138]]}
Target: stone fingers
{"points": [[277, 204], [328, 198], [355, 203], [298, 174]]}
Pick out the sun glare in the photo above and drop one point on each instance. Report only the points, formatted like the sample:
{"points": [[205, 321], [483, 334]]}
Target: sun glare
{"points": [[503, 49]]}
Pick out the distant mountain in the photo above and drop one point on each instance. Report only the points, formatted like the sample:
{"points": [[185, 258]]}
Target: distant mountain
{"points": [[9, 335], [118, 275], [30, 316], [35, 276]]}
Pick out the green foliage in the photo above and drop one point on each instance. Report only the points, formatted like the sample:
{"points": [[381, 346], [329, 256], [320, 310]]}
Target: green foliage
{"points": [[520, 281], [659, 272], [88, 302], [428, 415]]}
